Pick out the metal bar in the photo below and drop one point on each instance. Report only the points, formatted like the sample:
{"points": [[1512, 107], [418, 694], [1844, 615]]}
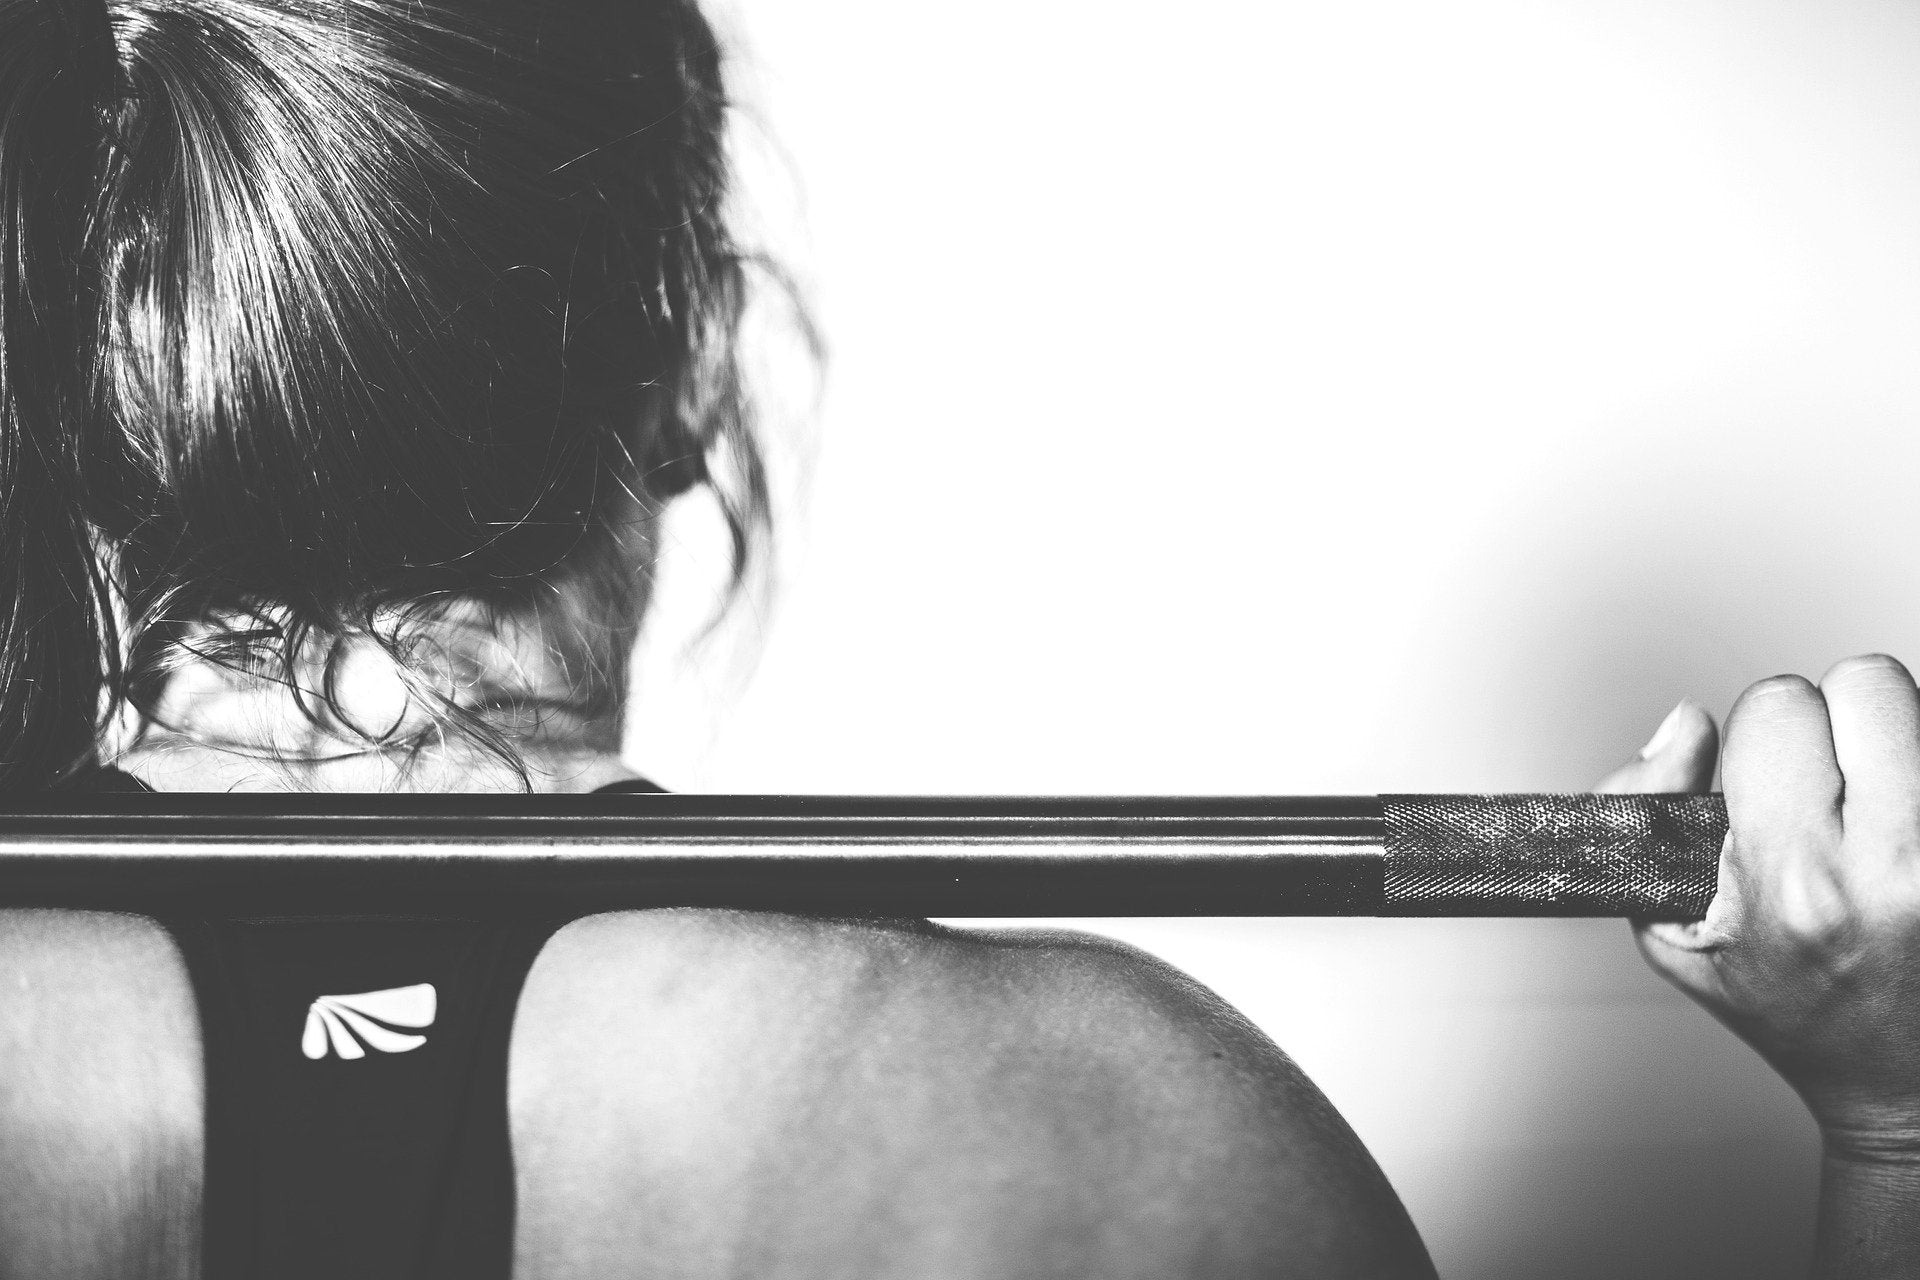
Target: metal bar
{"points": [[845, 855]]}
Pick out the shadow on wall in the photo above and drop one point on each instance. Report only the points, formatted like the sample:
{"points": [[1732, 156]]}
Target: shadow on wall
{"points": [[1759, 541]]}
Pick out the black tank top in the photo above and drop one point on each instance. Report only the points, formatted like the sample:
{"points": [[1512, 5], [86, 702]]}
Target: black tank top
{"points": [[356, 1106]]}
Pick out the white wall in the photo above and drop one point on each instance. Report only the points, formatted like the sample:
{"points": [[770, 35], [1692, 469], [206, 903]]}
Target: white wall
{"points": [[1274, 397]]}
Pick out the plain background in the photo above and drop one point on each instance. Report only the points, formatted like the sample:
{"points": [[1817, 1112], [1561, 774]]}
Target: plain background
{"points": [[1303, 398]]}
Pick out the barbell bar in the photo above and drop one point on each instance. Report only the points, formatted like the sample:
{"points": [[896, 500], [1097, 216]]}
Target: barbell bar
{"points": [[1407, 855]]}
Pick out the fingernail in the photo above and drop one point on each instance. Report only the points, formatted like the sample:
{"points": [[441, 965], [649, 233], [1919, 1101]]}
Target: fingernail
{"points": [[1663, 736]]}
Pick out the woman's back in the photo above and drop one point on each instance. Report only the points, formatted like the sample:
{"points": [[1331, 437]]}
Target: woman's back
{"points": [[702, 1093]]}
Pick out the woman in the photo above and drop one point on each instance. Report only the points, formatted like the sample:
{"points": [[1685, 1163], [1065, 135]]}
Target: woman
{"points": [[347, 353]]}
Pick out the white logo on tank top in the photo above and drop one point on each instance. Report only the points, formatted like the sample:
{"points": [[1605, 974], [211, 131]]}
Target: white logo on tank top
{"points": [[344, 1022]]}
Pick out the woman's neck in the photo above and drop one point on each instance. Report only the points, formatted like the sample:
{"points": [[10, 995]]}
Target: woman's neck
{"points": [[478, 703]]}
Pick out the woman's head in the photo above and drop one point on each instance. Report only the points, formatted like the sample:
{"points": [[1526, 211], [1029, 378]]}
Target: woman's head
{"points": [[326, 316]]}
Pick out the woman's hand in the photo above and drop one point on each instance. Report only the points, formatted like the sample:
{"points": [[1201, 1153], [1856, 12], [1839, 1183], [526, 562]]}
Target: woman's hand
{"points": [[1810, 950]]}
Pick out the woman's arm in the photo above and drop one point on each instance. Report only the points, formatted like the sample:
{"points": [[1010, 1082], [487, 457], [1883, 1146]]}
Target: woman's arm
{"points": [[1869, 1224]]}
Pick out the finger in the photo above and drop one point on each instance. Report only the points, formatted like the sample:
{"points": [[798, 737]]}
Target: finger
{"points": [[1684, 951], [1783, 792], [1678, 948], [1874, 711], [1679, 757], [1782, 783]]}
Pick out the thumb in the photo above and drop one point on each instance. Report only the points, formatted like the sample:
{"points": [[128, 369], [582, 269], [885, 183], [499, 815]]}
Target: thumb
{"points": [[1679, 757]]}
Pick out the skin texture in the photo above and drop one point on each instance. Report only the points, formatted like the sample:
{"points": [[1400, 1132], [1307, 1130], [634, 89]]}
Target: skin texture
{"points": [[737, 1095], [100, 1085]]}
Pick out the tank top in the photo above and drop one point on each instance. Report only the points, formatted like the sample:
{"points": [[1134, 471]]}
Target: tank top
{"points": [[356, 1104]]}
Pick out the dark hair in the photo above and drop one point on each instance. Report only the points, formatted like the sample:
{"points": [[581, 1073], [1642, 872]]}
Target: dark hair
{"points": [[311, 311]]}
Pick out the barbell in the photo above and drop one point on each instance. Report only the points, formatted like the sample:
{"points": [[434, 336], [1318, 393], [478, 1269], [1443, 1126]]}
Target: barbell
{"points": [[1409, 855]]}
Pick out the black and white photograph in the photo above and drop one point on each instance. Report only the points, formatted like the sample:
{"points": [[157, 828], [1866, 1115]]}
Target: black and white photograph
{"points": [[823, 640]]}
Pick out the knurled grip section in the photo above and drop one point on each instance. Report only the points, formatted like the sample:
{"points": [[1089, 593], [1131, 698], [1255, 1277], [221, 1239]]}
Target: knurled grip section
{"points": [[1562, 855]]}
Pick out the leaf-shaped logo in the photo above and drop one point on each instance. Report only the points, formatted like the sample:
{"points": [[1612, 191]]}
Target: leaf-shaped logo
{"points": [[344, 1022]]}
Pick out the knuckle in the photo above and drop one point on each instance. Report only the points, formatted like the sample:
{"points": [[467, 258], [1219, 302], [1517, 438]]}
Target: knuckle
{"points": [[1867, 671], [1788, 698], [1781, 686], [1813, 913]]}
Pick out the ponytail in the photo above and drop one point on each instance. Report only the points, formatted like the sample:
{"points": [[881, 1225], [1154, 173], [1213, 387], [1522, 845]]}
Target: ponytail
{"points": [[58, 77], [325, 313]]}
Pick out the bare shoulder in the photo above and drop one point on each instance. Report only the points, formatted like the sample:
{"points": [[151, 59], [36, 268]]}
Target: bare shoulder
{"points": [[96, 1009], [797, 1093], [100, 1109]]}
